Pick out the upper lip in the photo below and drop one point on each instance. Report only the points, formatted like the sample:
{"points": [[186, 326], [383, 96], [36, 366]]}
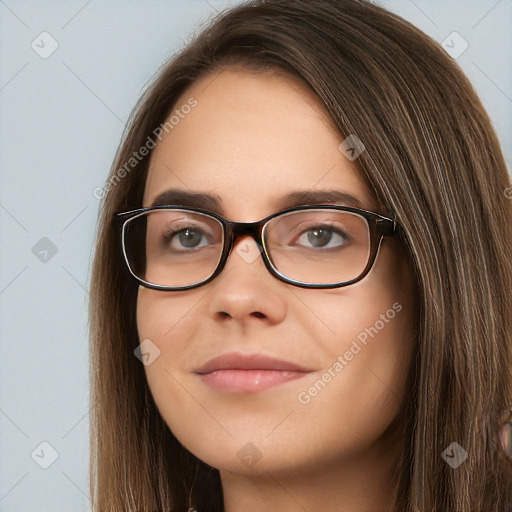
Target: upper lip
{"points": [[239, 361]]}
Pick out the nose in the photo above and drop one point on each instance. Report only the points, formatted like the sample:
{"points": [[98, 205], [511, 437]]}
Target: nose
{"points": [[238, 230], [245, 289]]}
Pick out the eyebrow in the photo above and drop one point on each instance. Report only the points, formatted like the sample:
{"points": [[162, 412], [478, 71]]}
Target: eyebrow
{"points": [[213, 202]]}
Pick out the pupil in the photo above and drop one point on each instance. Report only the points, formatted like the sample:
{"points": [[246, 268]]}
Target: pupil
{"points": [[321, 235], [189, 236]]}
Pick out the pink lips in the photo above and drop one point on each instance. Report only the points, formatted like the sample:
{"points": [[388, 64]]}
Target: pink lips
{"points": [[241, 373]]}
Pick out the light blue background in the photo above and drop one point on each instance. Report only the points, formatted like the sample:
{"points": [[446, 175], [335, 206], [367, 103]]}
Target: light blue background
{"points": [[61, 119]]}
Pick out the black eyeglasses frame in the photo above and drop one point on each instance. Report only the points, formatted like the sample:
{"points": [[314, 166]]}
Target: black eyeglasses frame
{"points": [[379, 227]]}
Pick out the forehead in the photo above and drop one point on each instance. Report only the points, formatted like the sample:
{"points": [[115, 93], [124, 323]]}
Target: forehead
{"points": [[250, 139]]}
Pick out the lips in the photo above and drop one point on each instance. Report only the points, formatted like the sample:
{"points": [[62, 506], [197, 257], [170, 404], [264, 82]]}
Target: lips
{"points": [[248, 373]]}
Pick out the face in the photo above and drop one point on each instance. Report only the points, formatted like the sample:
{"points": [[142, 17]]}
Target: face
{"points": [[252, 139]]}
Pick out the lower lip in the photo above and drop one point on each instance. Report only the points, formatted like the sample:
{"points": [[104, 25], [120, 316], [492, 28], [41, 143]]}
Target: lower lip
{"points": [[249, 381]]}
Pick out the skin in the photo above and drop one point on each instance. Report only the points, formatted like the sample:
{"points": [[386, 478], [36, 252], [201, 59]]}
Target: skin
{"points": [[251, 139]]}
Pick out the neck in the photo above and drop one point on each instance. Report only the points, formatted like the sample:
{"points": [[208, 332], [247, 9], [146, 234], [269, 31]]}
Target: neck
{"points": [[360, 483]]}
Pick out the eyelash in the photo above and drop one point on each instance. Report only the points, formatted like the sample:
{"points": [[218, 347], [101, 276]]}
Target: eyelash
{"points": [[170, 233]]}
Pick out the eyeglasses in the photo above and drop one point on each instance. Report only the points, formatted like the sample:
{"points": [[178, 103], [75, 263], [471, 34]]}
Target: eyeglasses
{"points": [[316, 246]]}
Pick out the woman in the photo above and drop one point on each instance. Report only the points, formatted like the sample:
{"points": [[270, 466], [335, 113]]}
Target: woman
{"points": [[302, 281]]}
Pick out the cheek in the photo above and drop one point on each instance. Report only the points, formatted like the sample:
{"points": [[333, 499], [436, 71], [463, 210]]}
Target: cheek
{"points": [[162, 317], [380, 308], [368, 349], [369, 326], [165, 323]]}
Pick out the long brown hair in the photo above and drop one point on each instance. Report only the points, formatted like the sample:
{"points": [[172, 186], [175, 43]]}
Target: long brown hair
{"points": [[432, 159]]}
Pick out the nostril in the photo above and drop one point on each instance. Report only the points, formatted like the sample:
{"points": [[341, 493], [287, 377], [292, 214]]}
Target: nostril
{"points": [[258, 314]]}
